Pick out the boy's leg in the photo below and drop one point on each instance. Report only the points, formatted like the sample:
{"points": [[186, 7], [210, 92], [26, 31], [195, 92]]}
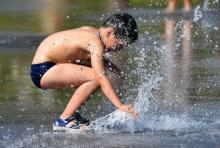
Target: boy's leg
{"points": [[78, 98], [69, 75]]}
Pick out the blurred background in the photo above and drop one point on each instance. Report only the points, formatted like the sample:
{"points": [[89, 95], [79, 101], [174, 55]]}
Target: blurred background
{"points": [[47, 16], [174, 67]]}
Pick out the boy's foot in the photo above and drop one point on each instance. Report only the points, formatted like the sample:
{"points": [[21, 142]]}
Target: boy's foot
{"points": [[80, 120], [75, 121], [69, 122]]}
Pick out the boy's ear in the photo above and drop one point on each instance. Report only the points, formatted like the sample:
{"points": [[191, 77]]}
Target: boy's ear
{"points": [[109, 31]]}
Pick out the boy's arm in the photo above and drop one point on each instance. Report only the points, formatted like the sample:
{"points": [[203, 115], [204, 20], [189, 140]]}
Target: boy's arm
{"points": [[112, 67], [97, 61]]}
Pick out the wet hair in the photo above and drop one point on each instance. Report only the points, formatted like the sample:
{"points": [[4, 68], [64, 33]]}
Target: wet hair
{"points": [[124, 25]]}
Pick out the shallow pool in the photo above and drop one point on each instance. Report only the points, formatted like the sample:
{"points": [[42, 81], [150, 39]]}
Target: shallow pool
{"points": [[172, 78]]}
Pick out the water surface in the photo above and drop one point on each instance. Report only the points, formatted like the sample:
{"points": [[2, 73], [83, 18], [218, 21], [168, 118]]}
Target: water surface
{"points": [[172, 78]]}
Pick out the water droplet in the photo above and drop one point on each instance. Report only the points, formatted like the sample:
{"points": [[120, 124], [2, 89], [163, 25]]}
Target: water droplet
{"points": [[146, 32], [77, 60], [97, 34], [29, 128]]}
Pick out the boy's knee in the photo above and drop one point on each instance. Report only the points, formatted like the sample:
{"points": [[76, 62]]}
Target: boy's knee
{"points": [[95, 83], [94, 77]]}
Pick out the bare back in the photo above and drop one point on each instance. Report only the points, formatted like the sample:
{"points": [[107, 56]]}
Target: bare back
{"points": [[67, 46]]}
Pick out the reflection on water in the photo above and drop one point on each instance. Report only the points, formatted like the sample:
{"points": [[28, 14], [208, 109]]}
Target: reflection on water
{"points": [[172, 5], [50, 17], [172, 75], [176, 68]]}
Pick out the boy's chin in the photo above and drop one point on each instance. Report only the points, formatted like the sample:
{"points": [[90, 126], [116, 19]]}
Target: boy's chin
{"points": [[107, 50], [113, 50], [116, 49]]}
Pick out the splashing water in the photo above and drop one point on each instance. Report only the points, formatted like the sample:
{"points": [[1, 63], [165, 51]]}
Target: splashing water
{"points": [[197, 14], [122, 121], [151, 115]]}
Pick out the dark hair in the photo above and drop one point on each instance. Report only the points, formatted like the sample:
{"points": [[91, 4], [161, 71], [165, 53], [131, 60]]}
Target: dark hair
{"points": [[124, 25]]}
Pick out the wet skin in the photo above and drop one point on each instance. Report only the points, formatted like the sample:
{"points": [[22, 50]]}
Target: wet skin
{"points": [[68, 49]]}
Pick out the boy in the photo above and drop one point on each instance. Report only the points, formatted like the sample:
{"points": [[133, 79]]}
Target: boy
{"points": [[61, 58]]}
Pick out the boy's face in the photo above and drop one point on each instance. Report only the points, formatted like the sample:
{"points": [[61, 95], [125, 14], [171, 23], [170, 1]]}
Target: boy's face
{"points": [[113, 43]]}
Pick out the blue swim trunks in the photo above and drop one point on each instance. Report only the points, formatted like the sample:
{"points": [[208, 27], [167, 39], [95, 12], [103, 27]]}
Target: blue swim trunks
{"points": [[38, 70]]}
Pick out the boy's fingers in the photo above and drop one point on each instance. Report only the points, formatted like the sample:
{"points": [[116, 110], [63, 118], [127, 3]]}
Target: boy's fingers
{"points": [[130, 105], [135, 115], [131, 110]]}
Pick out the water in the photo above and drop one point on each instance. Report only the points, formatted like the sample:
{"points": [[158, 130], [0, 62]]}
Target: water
{"points": [[172, 78]]}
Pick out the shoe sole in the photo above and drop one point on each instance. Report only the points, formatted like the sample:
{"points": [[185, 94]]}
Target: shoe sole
{"points": [[82, 129]]}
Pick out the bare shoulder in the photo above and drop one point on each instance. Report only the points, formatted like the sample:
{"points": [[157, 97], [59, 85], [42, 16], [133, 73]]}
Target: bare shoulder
{"points": [[78, 35], [73, 32], [91, 32], [86, 37], [88, 28], [93, 37]]}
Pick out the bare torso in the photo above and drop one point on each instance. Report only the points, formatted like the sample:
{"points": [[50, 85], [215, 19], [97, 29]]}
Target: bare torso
{"points": [[76, 46], [67, 46]]}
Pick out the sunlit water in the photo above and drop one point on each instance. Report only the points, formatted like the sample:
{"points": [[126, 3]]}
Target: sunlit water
{"points": [[172, 78]]}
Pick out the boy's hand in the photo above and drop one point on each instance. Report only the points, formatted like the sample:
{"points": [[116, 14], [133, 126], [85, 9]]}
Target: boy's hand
{"points": [[129, 109]]}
